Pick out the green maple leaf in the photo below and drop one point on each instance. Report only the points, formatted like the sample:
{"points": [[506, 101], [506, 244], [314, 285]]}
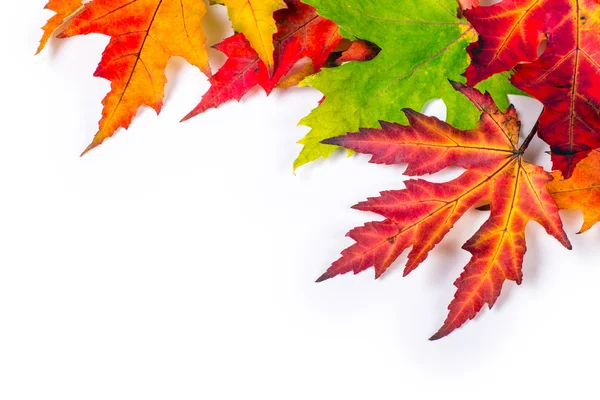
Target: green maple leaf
{"points": [[423, 45]]}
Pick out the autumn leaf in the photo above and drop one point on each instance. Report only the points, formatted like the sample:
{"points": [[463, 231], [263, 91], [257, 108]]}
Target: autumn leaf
{"points": [[144, 35], [63, 9], [254, 18], [301, 33], [581, 191], [564, 78], [423, 213], [423, 44]]}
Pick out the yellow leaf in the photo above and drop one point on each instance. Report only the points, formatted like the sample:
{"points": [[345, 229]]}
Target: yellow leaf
{"points": [[254, 18]]}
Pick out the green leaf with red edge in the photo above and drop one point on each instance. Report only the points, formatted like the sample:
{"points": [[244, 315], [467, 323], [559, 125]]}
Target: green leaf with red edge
{"points": [[423, 213], [301, 33], [564, 78]]}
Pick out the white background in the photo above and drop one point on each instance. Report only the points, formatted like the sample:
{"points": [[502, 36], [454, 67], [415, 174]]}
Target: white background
{"points": [[177, 261]]}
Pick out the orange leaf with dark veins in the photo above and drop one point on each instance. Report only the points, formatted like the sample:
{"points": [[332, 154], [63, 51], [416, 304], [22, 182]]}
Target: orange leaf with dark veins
{"points": [[419, 216], [581, 191], [63, 9], [144, 34], [301, 33], [564, 78]]}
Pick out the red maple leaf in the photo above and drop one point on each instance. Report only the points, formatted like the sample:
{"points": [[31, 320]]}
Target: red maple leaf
{"points": [[423, 213], [301, 33], [564, 78]]}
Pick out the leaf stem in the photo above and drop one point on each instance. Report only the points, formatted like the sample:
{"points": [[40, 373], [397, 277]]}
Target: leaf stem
{"points": [[529, 137]]}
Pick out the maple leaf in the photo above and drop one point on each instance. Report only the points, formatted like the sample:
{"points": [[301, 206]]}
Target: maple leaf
{"points": [[581, 191], [563, 78], [423, 213], [301, 33], [254, 18], [144, 35], [63, 9], [423, 44]]}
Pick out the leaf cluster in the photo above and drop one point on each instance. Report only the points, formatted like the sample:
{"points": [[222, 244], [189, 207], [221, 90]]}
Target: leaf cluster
{"points": [[491, 48], [377, 63]]}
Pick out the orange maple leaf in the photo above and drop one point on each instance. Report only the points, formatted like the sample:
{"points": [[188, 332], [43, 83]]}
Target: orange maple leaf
{"points": [[423, 213], [63, 9], [144, 35], [581, 191]]}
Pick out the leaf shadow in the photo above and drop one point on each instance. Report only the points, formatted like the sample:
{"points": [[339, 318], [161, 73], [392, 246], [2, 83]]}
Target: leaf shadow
{"points": [[55, 46], [173, 73], [535, 237], [216, 24]]}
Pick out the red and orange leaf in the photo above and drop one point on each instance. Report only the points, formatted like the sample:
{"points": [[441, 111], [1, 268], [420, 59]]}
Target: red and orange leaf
{"points": [[581, 191], [419, 216], [63, 9], [144, 35], [564, 78], [517, 197], [301, 33]]}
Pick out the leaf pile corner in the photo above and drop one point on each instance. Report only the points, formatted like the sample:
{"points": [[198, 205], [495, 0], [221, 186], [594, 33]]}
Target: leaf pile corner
{"points": [[493, 47], [423, 213], [376, 62]]}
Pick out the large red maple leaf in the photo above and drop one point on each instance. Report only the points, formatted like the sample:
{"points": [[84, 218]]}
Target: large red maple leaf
{"points": [[423, 213], [564, 78]]}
